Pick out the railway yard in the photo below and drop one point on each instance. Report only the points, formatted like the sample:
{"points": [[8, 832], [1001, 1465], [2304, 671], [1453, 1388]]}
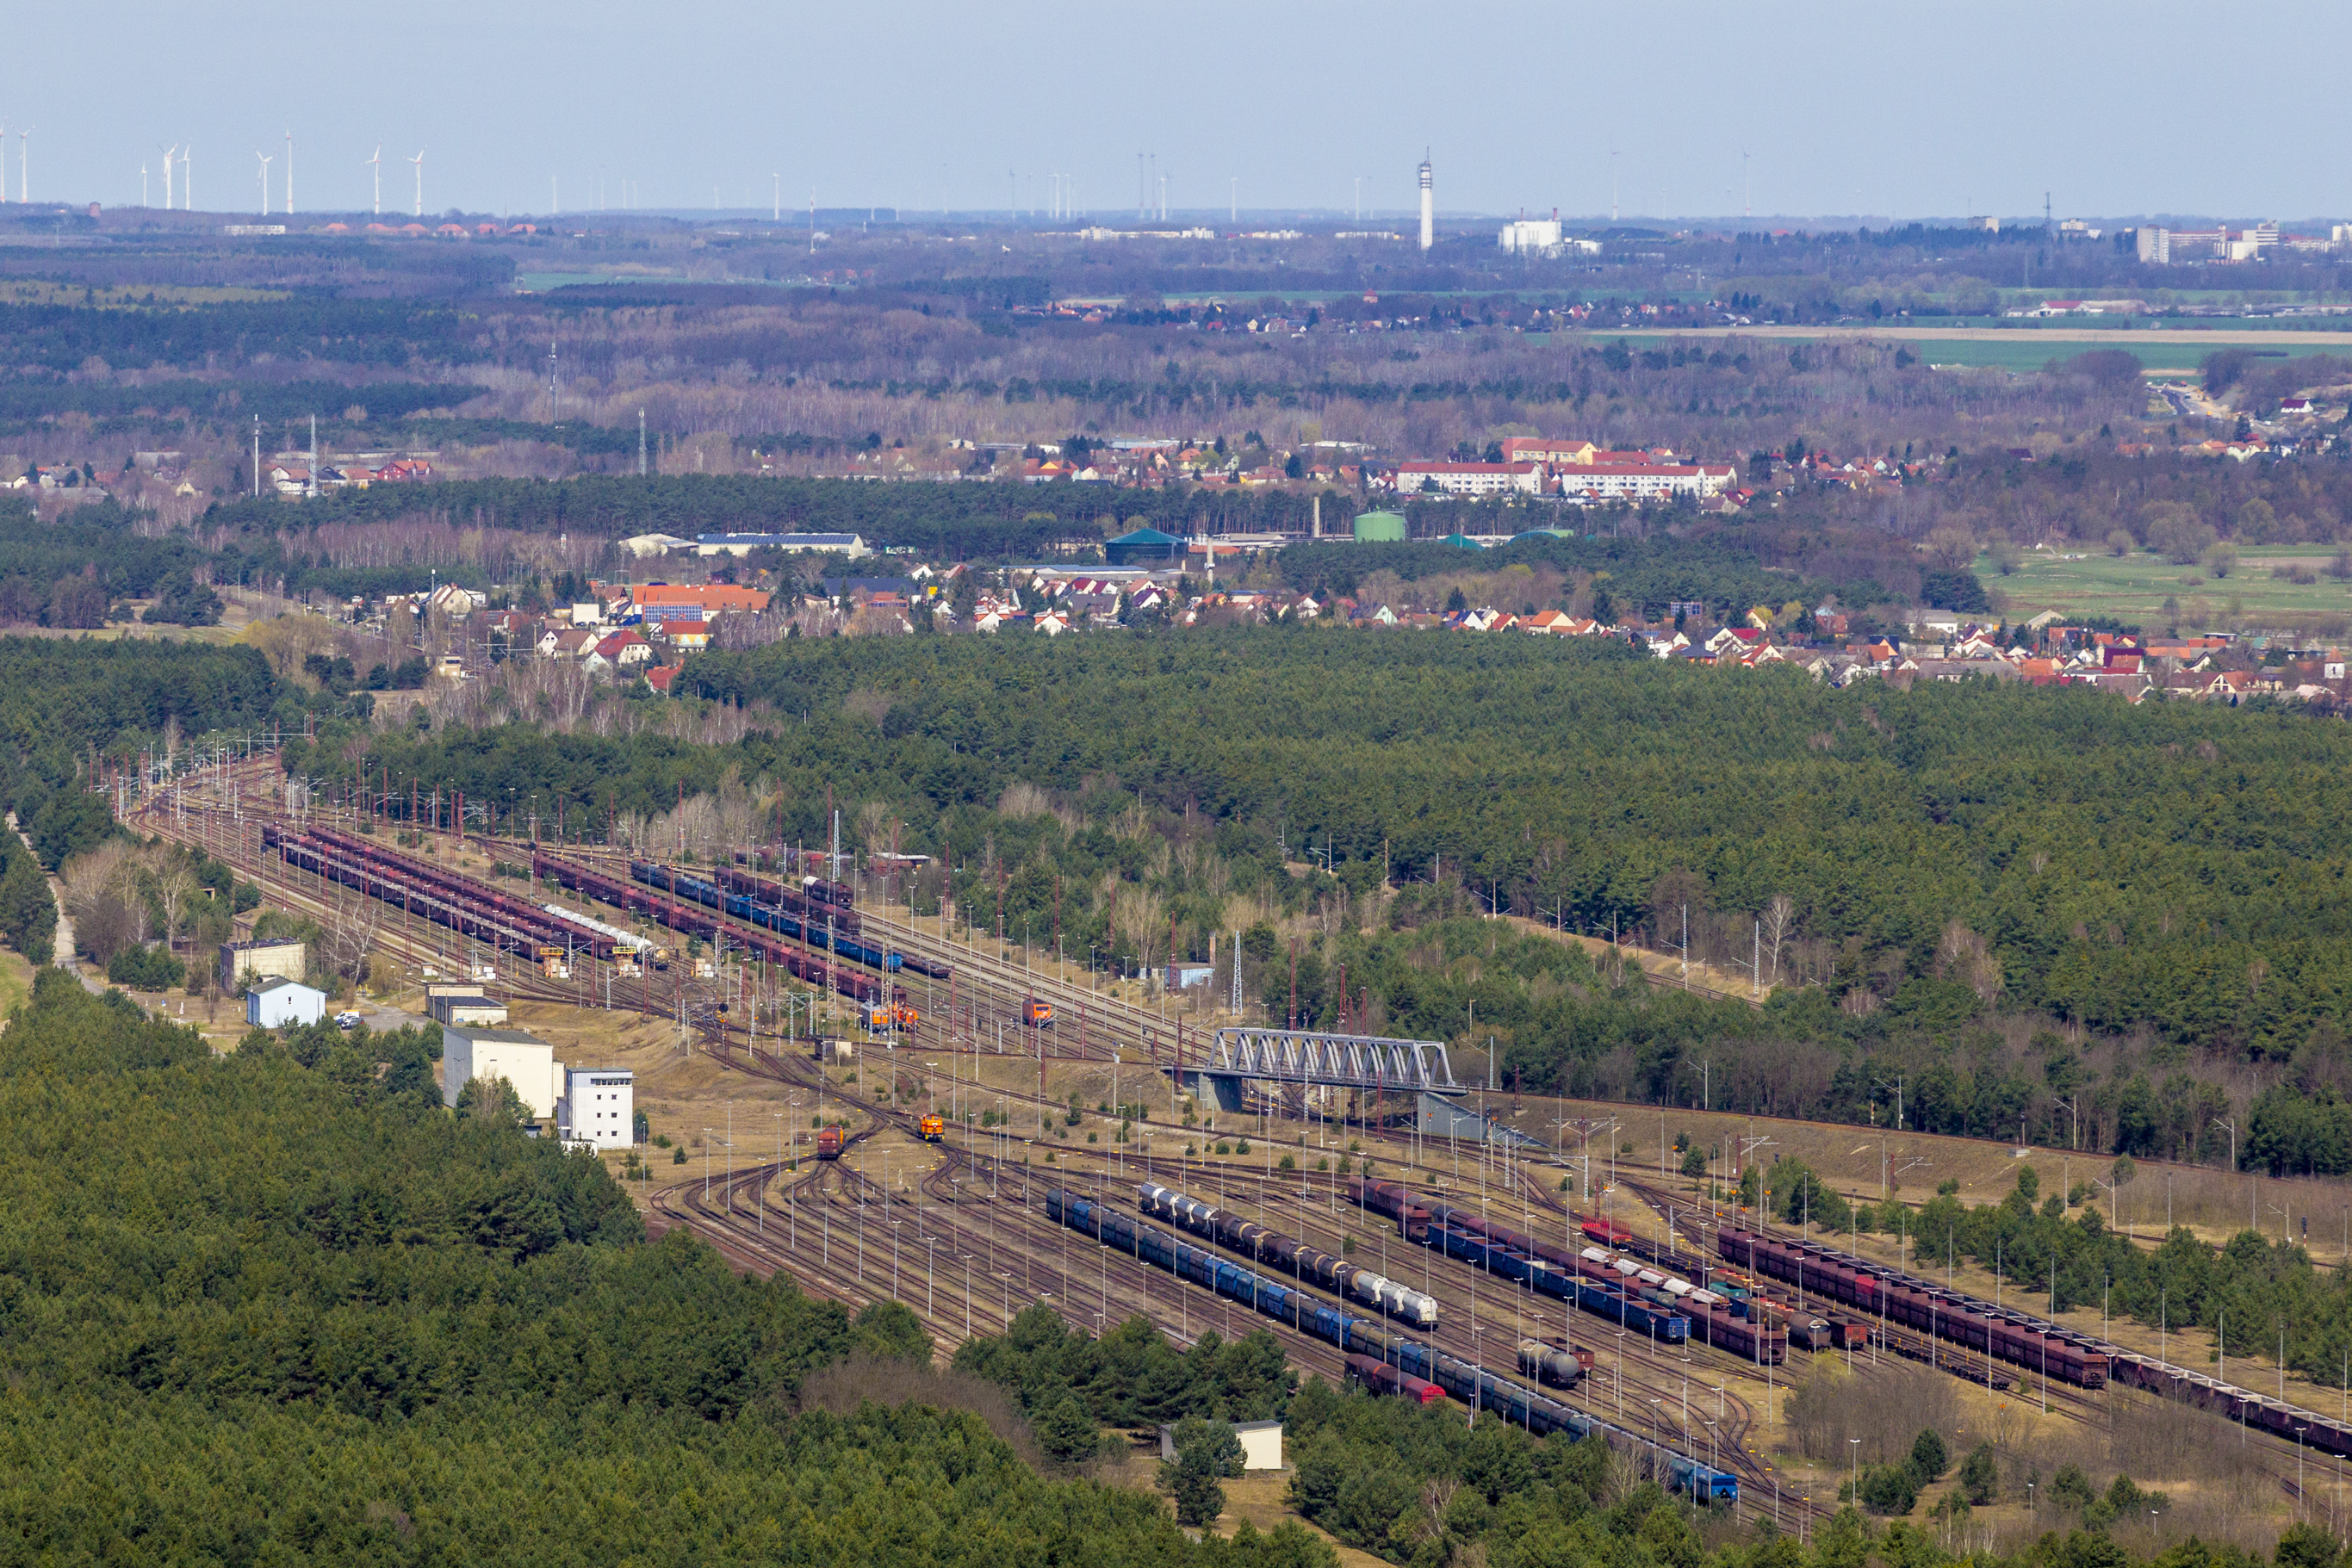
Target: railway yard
{"points": [[984, 1164]]}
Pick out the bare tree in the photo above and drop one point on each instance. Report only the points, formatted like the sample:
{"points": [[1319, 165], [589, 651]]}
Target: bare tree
{"points": [[1776, 917], [350, 932], [174, 883]]}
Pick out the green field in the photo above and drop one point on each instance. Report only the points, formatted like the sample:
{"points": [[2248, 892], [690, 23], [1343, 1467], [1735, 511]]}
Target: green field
{"points": [[2133, 589]]}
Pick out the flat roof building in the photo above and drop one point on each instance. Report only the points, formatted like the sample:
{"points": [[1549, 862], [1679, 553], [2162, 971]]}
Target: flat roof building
{"points": [[851, 545], [468, 1010], [242, 963], [600, 1106], [522, 1059]]}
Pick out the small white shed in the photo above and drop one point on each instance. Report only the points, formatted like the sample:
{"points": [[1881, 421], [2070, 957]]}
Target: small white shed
{"points": [[1261, 1444], [274, 1003]]}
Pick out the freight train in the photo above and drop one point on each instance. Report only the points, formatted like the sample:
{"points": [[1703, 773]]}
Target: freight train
{"points": [[1379, 1377], [472, 908], [2021, 1340], [814, 968], [2000, 1336], [1268, 1246], [816, 931], [1375, 1343], [1662, 1307], [791, 900], [814, 922]]}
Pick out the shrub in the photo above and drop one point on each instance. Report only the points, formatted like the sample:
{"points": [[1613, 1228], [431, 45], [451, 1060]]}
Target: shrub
{"points": [[1979, 1476], [145, 969], [1889, 1488]]}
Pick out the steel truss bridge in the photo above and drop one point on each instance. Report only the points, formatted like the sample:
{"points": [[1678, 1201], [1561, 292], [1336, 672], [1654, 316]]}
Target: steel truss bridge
{"points": [[1370, 1063]]}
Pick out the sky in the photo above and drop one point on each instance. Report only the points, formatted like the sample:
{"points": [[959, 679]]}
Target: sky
{"points": [[1698, 109]]}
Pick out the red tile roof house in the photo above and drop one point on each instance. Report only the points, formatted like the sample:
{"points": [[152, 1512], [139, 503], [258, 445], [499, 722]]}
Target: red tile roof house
{"points": [[624, 649]]}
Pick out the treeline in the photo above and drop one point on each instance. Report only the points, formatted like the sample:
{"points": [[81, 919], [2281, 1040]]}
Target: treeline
{"points": [[392, 333], [69, 574], [2090, 492], [63, 700], [938, 521], [1727, 572], [25, 404], [1931, 836], [1069, 1384]]}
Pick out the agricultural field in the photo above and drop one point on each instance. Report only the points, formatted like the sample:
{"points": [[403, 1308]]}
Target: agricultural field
{"points": [[2145, 590]]}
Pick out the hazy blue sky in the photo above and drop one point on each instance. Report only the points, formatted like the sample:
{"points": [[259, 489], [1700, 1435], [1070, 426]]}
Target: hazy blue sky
{"points": [[1892, 109]]}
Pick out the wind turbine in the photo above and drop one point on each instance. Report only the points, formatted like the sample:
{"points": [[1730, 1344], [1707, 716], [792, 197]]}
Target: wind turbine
{"points": [[25, 164], [169, 154], [187, 181], [419, 162], [289, 174], [265, 179], [142, 183], [375, 165]]}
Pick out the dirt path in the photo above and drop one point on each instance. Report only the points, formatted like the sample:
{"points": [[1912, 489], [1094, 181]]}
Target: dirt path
{"points": [[67, 958]]}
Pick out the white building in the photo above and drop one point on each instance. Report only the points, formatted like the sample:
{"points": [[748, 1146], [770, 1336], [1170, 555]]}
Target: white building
{"points": [[643, 545], [1645, 481], [1470, 479], [524, 1060], [274, 1003], [850, 545], [600, 1106], [1531, 236]]}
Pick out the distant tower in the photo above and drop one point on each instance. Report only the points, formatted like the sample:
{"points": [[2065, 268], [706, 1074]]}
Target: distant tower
{"points": [[1428, 206]]}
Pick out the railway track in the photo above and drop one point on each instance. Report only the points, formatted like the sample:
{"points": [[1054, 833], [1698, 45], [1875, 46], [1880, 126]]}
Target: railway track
{"points": [[1007, 1230]]}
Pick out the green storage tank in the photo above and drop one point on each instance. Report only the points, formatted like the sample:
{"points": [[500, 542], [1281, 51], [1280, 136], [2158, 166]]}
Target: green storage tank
{"points": [[1380, 527]]}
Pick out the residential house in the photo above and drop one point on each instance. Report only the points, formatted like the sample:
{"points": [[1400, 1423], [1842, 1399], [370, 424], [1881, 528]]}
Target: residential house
{"points": [[625, 649], [575, 644]]}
